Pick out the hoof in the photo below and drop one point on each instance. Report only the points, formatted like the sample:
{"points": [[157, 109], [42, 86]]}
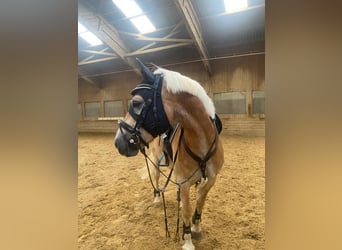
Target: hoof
{"points": [[157, 201], [188, 243], [196, 232], [188, 246], [196, 235]]}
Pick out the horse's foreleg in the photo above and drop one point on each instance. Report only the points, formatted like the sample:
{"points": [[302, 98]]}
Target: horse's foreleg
{"points": [[202, 192], [186, 214]]}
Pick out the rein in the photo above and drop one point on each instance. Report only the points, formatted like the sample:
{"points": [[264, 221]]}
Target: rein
{"points": [[149, 114], [162, 190], [168, 180], [202, 166]]}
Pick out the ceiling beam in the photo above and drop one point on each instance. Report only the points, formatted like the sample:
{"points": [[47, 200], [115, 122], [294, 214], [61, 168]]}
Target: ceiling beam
{"points": [[146, 51], [188, 12], [156, 39], [103, 53], [174, 31], [82, 75], [92, 56], [107, 33], [97, 60]]}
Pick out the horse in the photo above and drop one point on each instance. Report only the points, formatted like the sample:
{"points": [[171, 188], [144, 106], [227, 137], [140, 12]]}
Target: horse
{"points": [[165, 100]]}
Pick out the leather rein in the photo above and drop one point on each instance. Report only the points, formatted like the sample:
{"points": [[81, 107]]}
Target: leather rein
{"points": [[202, 166]]}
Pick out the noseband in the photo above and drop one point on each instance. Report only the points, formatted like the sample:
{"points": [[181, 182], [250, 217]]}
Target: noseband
{"points": [[150, 116]]}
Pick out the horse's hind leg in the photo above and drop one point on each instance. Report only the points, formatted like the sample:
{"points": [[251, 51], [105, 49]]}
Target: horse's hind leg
{"points": [[155, 174], [155, 177], [157, 157], [202, 192]]}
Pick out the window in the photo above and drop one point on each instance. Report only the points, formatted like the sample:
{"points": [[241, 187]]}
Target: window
{"points": [[92, 109], [258, 102], [230, 103], [79, 107], [113, 108]]}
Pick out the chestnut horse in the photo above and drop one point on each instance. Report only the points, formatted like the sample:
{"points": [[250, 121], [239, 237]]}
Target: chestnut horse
{"points": [[161, 101]]}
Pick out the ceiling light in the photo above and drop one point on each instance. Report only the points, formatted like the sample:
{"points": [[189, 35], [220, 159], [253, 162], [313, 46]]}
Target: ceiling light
{"points": [[88, 36], [91, 38], [81, 28], [143, 24], [132, 11], [129, 7], [235, 5]]}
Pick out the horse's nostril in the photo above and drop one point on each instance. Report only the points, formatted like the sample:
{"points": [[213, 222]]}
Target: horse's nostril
{"points": [[116, 143]]}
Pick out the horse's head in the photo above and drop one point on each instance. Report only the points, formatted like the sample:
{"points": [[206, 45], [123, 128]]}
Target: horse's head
{"points": [[146, 117]]}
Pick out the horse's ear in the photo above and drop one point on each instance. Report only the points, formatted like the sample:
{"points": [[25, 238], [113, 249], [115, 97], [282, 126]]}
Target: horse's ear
{"points": [[152, 67], [146, 73]]}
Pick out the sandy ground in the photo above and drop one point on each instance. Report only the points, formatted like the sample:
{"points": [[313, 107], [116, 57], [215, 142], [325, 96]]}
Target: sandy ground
{"points": [[115, 199]]}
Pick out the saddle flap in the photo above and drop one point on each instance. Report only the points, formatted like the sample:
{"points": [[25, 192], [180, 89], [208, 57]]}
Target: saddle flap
{"points": [[167, 147], [218, 123]]}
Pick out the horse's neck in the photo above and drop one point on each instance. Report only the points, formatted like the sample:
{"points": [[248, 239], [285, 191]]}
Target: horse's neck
{"points": [[199, 131]]}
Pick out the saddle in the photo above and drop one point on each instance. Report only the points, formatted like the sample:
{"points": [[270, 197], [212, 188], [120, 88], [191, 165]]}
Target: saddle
{"points": [[168, 137], [218, 124]]}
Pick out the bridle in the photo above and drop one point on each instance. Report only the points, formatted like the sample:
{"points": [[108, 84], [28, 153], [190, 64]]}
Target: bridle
{"points": [[132, 135], [150, 114]]}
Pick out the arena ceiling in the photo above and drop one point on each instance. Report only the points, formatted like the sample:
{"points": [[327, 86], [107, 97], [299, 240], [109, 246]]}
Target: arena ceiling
{"points": [[185, 31]]}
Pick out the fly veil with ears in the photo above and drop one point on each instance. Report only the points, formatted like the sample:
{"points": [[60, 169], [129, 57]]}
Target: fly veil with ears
{"points": [[149, 114]]}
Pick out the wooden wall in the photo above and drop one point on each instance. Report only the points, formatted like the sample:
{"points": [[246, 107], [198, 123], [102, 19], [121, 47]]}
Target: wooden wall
{"points": [[233, 74]]}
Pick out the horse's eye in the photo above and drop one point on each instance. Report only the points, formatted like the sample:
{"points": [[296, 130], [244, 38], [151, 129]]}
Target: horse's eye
{"points": [[137, 106], [136, 103]]}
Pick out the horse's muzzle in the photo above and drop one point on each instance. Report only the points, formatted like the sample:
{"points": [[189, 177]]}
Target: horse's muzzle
{"points": [[125, 148]]}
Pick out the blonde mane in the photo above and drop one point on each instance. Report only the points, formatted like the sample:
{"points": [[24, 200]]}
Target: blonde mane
{"points": [[176, 82]]}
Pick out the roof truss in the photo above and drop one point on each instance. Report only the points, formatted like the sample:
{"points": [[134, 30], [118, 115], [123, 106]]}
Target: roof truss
{"points": [[107, 33], [117, 49], [119, 44], [193, 24]]}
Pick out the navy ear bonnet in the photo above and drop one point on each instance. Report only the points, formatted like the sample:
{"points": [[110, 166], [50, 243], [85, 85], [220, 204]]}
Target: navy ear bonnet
{"points": [[152, 116]]}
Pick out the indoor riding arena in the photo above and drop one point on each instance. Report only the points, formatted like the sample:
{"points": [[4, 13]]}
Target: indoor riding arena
{"points": [[221, 48]]}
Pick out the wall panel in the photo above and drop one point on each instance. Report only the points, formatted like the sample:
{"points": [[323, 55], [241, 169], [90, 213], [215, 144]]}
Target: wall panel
{"points": [[234, 74]]}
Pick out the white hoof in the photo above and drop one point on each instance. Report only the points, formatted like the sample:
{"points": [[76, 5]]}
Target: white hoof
{"points": [[156, 200], [188, 246], [188, 243]]}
